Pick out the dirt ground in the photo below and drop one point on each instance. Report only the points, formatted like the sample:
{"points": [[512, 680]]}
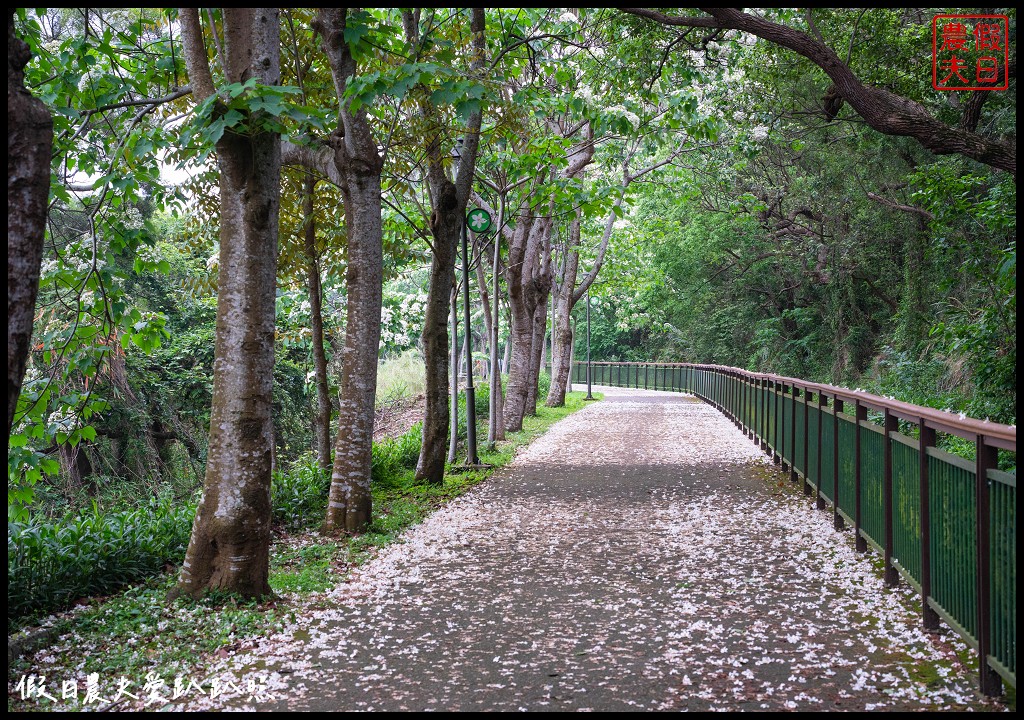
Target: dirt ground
{"points": [[396, 417]]}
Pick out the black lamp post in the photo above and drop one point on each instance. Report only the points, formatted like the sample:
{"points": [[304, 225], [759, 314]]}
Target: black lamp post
{"points": [[472, 458]]}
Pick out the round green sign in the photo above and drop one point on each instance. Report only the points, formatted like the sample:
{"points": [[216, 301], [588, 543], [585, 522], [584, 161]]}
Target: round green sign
{"points": [[479, 221]]}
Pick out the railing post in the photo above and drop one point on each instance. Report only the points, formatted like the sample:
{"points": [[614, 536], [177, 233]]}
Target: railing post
{"points": [[779, 449], [773, 389], [930, 619], [741, 409], [986, 458], [807, 452], [837, 519], [745, 391], [748, 408], [860, 415], [763, 391], [820, 499], [792, 433], [892, 577]]}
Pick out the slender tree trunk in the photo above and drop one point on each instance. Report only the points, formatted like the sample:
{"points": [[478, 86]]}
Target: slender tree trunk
{"points": [[561, 331], [914, 317], [540, 321], [230, 543], [572, 355], [29, 141], [322, 420], [495, 429], [506, 361]]}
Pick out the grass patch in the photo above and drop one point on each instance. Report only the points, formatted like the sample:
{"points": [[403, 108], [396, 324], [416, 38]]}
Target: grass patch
{"points": [[137, 634], [402, 376]]}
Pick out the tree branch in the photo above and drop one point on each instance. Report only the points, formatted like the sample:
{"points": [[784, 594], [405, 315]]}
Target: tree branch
{"points": [[899, 206], [886, 112]]}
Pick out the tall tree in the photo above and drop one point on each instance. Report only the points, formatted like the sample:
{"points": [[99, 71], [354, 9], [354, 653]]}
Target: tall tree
{"points": [[230, 543], [29, 139], [358, 164], [448, 199]]}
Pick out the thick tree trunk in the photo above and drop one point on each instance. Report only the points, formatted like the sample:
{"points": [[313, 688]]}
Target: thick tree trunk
{"points": [[520, 364], [230, 543], [521, 254], [358, 163], [29, 141], [322, 419], [561, 356], [349, 506]]}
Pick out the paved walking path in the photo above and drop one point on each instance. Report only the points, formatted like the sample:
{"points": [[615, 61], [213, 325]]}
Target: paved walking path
{"points": [[640, 556]]}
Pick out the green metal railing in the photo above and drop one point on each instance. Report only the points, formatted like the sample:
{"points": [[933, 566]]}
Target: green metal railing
{"points": [[945, 524]]}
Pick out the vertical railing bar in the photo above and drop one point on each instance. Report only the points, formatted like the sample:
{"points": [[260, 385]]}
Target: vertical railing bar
{"points": [[806, 462], [929, 618], [860, 415], [890, 426], [795, 391], [780, 450], [837, 519], [764, 414], [986, 458], [820, 499], [773, 424]]}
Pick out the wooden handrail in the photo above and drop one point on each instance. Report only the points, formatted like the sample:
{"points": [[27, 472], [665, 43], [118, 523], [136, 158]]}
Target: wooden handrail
{"points": [[991, 433]]}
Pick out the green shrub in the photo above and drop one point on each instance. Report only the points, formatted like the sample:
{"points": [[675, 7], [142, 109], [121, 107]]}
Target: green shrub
{"points": [[543, 385], [300, 494], [51, 564], [393, 455]]}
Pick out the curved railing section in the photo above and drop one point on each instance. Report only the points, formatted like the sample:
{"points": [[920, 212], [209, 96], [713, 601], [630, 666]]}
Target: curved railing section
{"points": [[945, 523]]}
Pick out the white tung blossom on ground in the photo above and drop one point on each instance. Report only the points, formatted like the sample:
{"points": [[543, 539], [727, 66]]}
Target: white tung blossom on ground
{"points": [[642, 556]]}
